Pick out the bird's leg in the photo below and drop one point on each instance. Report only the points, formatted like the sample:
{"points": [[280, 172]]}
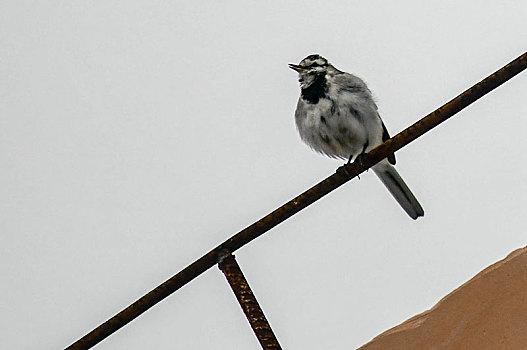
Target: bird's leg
{"points": [[364, 147], [344, 167], [363, 155], [360, 158]]}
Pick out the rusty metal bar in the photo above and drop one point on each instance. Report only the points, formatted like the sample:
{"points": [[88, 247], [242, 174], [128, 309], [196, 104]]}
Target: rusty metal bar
{"points": [[343, 174], [252, 310]]}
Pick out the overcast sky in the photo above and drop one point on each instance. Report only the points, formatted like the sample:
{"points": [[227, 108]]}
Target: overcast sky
{"points": [[137, 135]]}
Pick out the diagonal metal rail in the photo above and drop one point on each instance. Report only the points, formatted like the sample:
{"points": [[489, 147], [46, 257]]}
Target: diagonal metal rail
{"points": [[252, 310], [343, 174]]}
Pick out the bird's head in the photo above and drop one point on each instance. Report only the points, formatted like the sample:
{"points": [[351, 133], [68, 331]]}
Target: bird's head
{"points": [[309, 69]]}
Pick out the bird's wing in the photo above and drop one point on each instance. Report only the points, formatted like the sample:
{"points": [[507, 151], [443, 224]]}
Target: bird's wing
{"points": [[386, 136]]}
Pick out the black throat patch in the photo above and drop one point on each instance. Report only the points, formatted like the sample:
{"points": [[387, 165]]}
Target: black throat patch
{"points": [[316, 90]]}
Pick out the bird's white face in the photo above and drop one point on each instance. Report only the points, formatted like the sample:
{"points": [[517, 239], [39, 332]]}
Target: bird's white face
{"points": [[309, 69]]}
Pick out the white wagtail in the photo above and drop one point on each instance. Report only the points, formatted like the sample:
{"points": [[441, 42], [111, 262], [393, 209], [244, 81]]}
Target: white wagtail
{"points": [[336, 116]]}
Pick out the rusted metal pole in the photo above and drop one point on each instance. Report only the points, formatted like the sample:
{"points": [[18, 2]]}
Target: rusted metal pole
{"points": [[295, 205], [230, 268]]}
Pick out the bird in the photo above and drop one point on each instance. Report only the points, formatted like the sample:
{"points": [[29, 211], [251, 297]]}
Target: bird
{"points": [[337, 116]]}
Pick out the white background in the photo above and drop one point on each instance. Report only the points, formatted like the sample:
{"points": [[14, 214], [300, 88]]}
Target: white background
{"points": [[137, 135]]}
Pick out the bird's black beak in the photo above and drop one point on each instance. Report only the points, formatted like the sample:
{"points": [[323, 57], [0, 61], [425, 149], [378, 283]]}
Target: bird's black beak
{"points": [[296, 67]]}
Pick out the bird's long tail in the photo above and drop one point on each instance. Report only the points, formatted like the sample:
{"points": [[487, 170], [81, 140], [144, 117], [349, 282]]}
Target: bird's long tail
{"points": [[397, 187]]}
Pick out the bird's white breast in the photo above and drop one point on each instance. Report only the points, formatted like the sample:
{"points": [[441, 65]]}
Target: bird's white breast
{"points": [[331, 126]]}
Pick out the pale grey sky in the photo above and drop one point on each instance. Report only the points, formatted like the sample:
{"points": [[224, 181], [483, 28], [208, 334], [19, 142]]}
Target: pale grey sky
{"points": [[137, 135]]}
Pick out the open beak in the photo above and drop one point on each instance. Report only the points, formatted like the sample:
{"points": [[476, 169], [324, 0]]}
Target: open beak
{"points": [[296, 67]]}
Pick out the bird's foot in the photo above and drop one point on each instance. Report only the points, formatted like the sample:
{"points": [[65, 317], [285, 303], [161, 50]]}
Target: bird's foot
{"points": [[343, 170], [362, 158]]}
